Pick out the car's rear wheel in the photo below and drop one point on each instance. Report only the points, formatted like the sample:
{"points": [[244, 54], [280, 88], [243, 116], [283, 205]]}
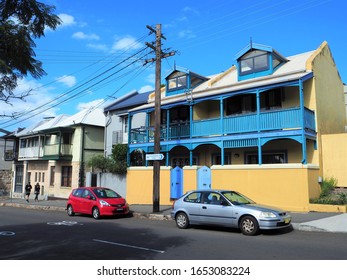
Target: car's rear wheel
{"points": [[249, 225], [70, 211], [96, 213], [182, 220]]}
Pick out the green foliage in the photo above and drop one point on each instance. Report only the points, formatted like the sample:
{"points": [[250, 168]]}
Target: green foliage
{"points": [[119, 154], [100, 162], [21, 21], [327, 195], [327, 186], [117, 163]]}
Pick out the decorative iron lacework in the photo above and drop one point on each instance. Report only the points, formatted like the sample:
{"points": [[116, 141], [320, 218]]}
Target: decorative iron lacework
{"points": [[241, 143]]}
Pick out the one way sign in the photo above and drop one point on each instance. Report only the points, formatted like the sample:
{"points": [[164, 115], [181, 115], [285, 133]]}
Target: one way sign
{"points": [[154, 157]]}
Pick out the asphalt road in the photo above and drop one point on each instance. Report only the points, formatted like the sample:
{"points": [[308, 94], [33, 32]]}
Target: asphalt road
{"points": [[49, 235]]}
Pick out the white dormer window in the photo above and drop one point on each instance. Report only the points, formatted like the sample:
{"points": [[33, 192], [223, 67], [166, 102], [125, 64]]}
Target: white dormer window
{"points": [[179, 82], [254, 62]]}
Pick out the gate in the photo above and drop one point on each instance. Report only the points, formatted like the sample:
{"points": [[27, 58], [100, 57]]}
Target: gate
{"points": [[204, 178], [176, 177], [18, 181]]}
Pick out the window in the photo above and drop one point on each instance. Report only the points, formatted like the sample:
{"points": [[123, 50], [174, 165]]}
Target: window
{"points": [[271, 99], [241, 104], [66, 137], [125, 123], [66, 176], [177, 82], [217, 159], [52, 172], [193, 197], [267, 158], [182, 161], [253, 62], [179, 114]]}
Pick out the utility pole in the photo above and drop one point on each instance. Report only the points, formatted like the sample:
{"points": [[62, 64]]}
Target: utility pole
{"points": [[157, 102]]}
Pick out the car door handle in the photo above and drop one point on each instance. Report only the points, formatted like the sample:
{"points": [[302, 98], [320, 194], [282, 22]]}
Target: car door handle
{"points": [[204, 207]]}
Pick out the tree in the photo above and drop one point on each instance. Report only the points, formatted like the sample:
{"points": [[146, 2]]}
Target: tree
{"points": [[21, 21], [116, 163]]}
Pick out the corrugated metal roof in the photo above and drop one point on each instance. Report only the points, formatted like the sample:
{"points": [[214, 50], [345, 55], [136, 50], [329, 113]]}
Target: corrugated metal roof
{"points": [[226, 82], [129, 101], [91, 116]]}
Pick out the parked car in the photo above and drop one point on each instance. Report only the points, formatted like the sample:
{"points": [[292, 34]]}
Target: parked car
{"points": [[226, 208], [96, 201]]}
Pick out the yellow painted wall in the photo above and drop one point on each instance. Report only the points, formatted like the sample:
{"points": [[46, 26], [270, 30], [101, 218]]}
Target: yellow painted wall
{"points": [[287, 186], [329, 94], [140, 185], [334, 150]]}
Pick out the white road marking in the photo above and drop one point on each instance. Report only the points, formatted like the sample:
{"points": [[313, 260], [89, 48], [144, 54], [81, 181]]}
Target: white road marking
{"points": [[6, 233], [129, 246]]}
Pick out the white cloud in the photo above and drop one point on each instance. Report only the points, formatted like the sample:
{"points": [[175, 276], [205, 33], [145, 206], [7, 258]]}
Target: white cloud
{"points": [[67, 20], [69, 81], [126, 43], [146, 89], [187, 34], [82, 36], [32, 108], [86, 105], [99, 47], [150, 78]]}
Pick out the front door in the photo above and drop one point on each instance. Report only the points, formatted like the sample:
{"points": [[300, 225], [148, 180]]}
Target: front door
{"points": [[204, 178], [176, 189]]}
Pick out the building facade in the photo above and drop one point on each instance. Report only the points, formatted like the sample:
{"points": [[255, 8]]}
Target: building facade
{"points": [[54, 152], [255, 128]]}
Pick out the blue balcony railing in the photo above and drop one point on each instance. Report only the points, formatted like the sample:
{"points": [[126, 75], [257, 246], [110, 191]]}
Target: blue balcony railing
{"points": [[269, 120]]}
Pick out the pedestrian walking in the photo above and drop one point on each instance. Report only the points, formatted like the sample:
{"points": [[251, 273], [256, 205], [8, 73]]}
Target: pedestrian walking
{"points": [[28, 188], [37, 191]]}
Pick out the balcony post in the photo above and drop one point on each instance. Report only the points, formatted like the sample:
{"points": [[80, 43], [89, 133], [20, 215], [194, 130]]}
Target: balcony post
{"points": [[168, 136], [190, 121], [147, 126], [129, 137], [302, 109], [258, 109], [221, 115]]}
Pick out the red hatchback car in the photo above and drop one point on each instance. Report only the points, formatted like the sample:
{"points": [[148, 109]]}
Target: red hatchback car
{"points": [[96, 201]]}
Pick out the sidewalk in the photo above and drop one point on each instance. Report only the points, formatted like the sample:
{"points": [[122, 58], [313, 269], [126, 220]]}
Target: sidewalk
{"points": [[310, 221]]}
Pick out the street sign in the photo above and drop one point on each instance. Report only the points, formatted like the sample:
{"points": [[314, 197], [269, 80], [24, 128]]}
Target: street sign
{"points": [[154, 157]]}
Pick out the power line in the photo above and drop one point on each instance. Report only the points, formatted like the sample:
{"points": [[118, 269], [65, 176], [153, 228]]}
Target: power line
{"points": [[41, 110]]}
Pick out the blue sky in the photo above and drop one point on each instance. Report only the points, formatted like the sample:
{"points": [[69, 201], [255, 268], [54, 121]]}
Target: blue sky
{"points": [[97, 54]]}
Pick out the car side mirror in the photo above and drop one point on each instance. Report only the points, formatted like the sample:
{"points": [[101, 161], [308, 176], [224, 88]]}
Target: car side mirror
{"points": [[225, 203]]}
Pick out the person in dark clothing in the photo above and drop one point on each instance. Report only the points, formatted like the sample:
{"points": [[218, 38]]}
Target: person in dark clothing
{"points": [[37, 191], [28, 188]]}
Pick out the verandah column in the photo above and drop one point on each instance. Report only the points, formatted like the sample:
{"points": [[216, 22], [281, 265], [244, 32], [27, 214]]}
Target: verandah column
{"points": [[302, 110], [260, 156]]}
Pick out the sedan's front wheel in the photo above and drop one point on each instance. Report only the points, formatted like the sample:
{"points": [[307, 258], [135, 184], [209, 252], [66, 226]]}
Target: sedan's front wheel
{"points": [[182, 220], [249, 225]]}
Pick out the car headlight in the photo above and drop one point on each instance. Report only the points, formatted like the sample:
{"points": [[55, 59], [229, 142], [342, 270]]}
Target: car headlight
{"points": [[267, 215], [104, 203]]}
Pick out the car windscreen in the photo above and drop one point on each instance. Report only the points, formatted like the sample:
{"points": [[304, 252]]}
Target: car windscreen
{"points": [[237, 198], [106, 193]]}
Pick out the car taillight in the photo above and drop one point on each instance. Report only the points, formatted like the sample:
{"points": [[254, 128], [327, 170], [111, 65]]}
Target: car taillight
{"points": [[173, 205]]}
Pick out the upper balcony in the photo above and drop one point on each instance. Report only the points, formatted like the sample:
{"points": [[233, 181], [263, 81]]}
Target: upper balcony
{"points": [[57, 152], [276, 120]]}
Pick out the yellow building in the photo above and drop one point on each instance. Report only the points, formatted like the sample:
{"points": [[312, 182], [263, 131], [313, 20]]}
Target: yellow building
{"points": [[257, 128]]}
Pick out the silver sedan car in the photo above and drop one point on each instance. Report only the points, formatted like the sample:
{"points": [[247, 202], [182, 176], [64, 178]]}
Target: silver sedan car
{"points": [[226, 208]]}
